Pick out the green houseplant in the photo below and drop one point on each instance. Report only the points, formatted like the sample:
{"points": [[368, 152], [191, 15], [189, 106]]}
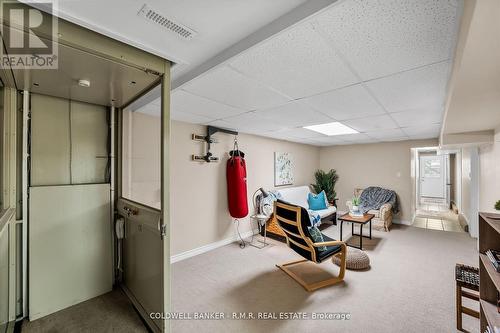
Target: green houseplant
{"points": [[325, 181], [497, 205], [355, 203]]}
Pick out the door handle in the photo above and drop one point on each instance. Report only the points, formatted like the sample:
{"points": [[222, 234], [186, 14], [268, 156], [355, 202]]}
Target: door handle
{"points": [[130, 211]]}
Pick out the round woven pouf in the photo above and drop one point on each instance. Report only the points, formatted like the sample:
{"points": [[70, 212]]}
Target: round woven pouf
{"points": [[356, 259]]}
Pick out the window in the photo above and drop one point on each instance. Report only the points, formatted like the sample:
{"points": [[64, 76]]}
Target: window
{"points": [[141, 154], [432, 168]]}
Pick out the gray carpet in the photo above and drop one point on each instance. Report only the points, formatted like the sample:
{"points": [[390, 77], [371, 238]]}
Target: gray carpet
{"points": [[111, 312], [409, 288]]}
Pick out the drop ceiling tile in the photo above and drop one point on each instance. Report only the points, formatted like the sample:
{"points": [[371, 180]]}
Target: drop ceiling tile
{"points": [[227, 86], [388, 134], [423, 132], [311, 142], [371, 124], [359, 142], [298, 62], [150, 109], [329, 140], [416, 89], [156, 102], [300, 133], [357, 137], [383, 37], [417, 117], [249, 122], [294, 114], [346, 103], [402, 138], [276, 135], [189, 117], [323, 144], [187, 102], [297, 140]]}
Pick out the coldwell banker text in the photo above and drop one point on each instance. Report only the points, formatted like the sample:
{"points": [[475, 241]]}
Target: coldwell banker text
{"points": [[250, 316]]}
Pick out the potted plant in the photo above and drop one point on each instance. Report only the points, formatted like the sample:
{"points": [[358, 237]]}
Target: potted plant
{"points": [[325, 181], [355, 204], [497, 205]]}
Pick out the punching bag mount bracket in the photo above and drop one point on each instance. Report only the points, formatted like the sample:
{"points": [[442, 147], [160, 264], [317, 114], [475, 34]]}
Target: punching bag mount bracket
{"points": [[211, 130]]}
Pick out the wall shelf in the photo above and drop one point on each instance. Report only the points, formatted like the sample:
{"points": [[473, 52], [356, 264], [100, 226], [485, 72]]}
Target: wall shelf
{"points": [[489, 278], [492, 273], [491, 314]]}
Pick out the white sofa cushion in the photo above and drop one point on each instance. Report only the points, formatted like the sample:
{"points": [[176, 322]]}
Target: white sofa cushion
{"points": [[296, 195], [326, 212]]}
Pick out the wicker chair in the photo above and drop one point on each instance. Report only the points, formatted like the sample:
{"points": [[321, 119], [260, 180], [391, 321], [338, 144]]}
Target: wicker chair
{"points": [[293, 221], [383, 216]]}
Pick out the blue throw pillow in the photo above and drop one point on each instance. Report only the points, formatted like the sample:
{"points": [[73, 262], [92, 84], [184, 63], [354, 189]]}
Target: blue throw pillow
{"points": [[317, 237], [317, 201]]}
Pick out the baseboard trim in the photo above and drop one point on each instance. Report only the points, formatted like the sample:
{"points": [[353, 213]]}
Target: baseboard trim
{"points": [[404, 222], [208, 247]]}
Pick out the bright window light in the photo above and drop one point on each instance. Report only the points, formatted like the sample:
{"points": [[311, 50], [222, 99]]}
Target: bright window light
{"points": [[331, 129]]}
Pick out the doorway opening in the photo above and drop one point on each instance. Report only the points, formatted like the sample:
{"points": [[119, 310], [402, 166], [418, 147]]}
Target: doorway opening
{"points": [[437, 189]]}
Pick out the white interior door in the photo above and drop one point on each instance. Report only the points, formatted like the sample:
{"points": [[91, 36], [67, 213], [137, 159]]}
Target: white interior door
{"points": [[432, 176]]}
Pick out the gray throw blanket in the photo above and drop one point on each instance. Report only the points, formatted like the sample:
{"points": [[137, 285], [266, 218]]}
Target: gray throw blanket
{"points": [[374, 197]]}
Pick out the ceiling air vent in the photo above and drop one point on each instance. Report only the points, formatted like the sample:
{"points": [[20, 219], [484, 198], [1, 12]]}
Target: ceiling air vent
{"points": [[152, 15]]}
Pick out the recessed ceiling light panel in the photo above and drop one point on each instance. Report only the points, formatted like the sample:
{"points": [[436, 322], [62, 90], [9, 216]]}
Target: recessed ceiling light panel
{"points": [[331, 129]]}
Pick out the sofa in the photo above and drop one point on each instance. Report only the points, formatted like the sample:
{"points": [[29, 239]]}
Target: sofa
{"points": [[383, 215], [297, 195]]}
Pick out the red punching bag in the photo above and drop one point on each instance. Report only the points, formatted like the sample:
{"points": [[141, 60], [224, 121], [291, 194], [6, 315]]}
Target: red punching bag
{"points": [[236, 175]]}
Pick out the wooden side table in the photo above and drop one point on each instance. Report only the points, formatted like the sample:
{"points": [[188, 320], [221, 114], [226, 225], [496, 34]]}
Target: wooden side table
{"points": [[362, 220]]}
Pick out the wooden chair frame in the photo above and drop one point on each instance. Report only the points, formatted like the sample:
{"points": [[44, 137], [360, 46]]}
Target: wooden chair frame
{"points": [[460, 292], [311, 248]]}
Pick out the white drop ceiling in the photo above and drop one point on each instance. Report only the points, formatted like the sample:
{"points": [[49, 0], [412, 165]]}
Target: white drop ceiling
{"points": [[380, 67], [218, 24]]}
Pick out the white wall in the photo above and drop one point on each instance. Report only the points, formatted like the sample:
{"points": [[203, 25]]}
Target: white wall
{"points": [[199, 214], [489, 179], [199, 200], [470, 189], [386, 165]]}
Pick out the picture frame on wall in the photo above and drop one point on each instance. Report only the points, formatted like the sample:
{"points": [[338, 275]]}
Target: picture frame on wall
{"points": [[283, 169]]}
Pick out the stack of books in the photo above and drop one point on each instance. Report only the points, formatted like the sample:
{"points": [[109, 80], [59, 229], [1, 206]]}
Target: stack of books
{"points": [[494, 257], [356, 213]]}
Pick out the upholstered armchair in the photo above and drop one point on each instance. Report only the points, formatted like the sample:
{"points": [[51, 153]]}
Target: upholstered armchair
{"points": [[383, 216]]}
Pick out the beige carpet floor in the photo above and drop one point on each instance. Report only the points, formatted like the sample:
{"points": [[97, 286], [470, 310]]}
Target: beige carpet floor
{"points": [[409, 288]]}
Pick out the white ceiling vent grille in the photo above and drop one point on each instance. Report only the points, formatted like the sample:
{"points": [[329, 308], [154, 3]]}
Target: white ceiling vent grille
{"points": [[152, 15]]}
